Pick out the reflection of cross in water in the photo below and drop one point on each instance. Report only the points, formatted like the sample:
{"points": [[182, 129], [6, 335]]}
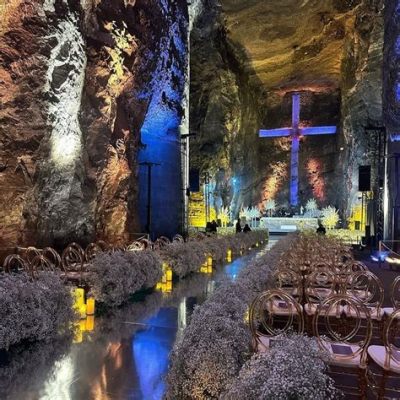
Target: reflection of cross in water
{"points": [[296, 132]]}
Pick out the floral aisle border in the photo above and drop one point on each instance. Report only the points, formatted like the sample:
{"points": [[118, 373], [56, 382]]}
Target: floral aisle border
{"points": [[115, 277], [33, 309]]}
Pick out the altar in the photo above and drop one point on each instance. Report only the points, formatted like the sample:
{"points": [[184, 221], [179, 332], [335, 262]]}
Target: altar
{"points": [[287, 225]]}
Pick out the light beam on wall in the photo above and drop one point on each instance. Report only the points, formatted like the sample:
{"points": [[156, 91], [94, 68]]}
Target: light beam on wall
{"points": [[65, 80]]}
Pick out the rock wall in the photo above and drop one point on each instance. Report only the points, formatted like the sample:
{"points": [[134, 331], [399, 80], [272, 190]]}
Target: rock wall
{"points": [[392, 118], [77, 84]]}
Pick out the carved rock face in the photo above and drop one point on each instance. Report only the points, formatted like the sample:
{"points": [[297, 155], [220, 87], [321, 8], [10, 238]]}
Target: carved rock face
{"points": [[75, 85]]}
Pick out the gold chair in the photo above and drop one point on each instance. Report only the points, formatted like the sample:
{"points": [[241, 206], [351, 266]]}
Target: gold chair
{"points": [[15, 263], [290, 282], [319, 285], [53, 256], [394, 297], [345, 337], [387, 359], [272, 313], [92, 249], [73, 258], [41, 263], [368, 289]]}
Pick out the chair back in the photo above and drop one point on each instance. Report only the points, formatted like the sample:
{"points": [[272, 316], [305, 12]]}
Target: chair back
{"points": [[366, 287], [289, 281], [15, 263], [319, 285], [73, 257], [391, 339], [92, 249], [274, 312], [395, 293], [344, 335], [53, 256]]}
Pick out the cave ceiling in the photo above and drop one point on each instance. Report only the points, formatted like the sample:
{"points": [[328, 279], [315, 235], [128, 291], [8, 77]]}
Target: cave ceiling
{"points": [[290, 44]]}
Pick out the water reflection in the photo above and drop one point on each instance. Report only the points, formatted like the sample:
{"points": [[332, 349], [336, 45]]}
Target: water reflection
{"points": [[125, 356]]}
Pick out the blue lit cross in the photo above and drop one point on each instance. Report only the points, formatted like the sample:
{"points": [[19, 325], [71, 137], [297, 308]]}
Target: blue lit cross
{"points": [[296, 132]]}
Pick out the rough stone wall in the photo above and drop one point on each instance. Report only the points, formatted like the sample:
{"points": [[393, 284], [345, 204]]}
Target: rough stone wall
{"points": [[392, 117], [75, 87], [361, 97], [224, 109]]}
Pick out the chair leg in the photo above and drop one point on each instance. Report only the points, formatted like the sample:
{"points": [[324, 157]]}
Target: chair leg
{"points": [[382, 387], [362, 382]]}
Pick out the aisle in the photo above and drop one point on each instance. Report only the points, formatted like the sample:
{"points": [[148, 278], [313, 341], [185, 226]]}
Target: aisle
{"points": [[126, 355]]}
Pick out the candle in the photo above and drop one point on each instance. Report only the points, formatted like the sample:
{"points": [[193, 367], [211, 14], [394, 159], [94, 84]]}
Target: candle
{"points": [[90, 323], [82, 311], [169, 275], [90, 306], [79, 297]]}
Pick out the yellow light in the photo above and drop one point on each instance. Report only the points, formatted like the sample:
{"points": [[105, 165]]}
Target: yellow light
{"points": [[90, 323], [82, 311], [82, 325], [79, 296], [164, 278], [209, 269], [169, 287], [159, 286], [169, 275], [204, 269], [90, 306], [209, 261]]}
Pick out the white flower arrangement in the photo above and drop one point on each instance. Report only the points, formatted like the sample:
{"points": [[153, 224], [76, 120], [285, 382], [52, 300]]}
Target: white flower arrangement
{"points": [[330, 217], [224, 216], [270, 206], [294, 368], [21, 317]]}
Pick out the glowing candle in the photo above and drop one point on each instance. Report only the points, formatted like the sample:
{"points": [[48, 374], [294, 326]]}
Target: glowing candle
{"points": [[90, 306], [82, 311], [79, 297], [90, 323], [169, 275], [82, 325]]}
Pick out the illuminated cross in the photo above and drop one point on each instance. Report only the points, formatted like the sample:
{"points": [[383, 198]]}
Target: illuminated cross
{"points": [[296, 132]]}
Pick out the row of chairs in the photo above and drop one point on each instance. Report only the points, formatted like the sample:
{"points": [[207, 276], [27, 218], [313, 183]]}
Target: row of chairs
{"points": [[312, 289], [321, 289], [73, 261], [342, 326]]}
